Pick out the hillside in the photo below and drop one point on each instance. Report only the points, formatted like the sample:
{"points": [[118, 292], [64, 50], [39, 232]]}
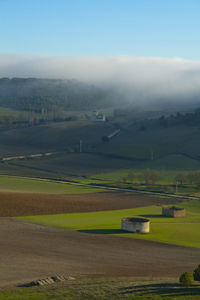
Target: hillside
{"points": [[41, 95], [32, 101], [148, 143], [53, 136], [154, 143]]}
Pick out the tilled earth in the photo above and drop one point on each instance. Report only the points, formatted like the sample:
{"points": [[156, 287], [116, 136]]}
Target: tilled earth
{"points": [[30, 251], [20, 204]]}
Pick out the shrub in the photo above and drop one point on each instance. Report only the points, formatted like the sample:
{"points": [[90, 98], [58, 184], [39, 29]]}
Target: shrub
{"points": [[186, 278], [196, 273]]}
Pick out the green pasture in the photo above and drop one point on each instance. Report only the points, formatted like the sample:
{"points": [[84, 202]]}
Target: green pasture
{"points": [[180, 231], [91, 168], [106, 288], [26, 185], [166, 176], [166, 182]]}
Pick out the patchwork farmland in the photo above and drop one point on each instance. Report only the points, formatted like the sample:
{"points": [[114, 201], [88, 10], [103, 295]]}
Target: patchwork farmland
{"points": [[83, 247]]}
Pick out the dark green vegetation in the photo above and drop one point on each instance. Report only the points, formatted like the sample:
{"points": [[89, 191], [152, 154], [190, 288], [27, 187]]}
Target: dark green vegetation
{"points": [[180, 231], [196, 273], [43, 95], [121, 288], [186, 279]]}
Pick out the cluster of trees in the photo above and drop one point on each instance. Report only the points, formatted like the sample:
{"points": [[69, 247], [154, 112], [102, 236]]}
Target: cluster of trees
{"points": [[30, 118], [187, 278], [192, 178], [151, 177], [181, 119], [188, 119]]}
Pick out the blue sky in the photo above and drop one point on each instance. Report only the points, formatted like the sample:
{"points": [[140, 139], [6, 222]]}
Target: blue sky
{"points": [[161, 28]]}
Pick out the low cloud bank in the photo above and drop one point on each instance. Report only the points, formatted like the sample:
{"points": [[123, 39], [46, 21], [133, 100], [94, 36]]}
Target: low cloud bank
{"points": [[136, 77]]}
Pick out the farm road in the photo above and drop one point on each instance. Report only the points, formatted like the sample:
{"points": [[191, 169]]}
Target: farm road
{"points": [[29, 251]]}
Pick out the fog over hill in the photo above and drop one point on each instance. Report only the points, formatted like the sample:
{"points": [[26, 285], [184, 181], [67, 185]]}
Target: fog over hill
{"points": [[112, 80]]}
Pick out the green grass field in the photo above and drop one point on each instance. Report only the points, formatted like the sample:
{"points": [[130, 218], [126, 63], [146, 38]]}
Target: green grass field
{"points": [[166, 182], [180, 231], [104, 289], [25, 185]]}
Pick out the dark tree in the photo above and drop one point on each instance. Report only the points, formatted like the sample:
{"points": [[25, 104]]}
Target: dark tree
{"points": [[186, 279], [196, 273]]}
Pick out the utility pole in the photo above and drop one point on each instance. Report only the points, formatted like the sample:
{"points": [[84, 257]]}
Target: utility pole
{"points": [[80, 146], [152, 154]]}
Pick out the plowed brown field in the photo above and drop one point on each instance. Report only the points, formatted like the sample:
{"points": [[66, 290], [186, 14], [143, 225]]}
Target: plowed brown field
{"points": [[30, 251], [19, 204]]}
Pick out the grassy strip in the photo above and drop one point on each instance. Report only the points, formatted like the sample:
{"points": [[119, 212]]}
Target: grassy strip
{"points": [[103, 289], [166, 176], [26, 185], [180, 231], [167, 181]]}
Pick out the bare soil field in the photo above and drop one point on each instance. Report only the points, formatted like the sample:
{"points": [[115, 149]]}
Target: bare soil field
{"points": [[20, 204], [29, 251]]}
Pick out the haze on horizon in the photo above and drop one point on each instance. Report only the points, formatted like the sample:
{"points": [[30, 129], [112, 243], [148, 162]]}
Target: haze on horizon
{"points": [[144, 77]]}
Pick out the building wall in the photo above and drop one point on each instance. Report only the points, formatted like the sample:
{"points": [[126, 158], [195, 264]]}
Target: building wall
{"points": [[166, 211], [142, 227]]}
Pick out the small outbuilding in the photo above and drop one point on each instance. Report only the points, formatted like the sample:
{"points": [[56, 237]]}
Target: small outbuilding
{"points": [[139, 225], [174, 212]]}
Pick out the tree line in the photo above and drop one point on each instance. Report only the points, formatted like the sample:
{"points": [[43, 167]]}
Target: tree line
{"points": [[39, 95], [152, 177], [191, 119]]}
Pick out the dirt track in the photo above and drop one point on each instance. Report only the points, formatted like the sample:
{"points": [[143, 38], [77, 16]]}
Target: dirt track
{"points": [[31, 251], [18, 204]]}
